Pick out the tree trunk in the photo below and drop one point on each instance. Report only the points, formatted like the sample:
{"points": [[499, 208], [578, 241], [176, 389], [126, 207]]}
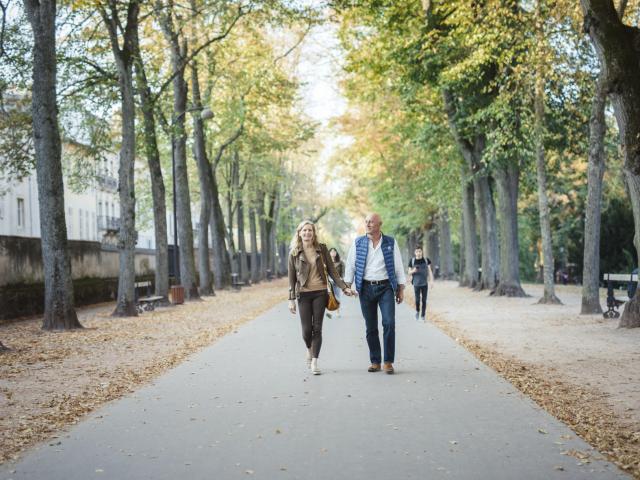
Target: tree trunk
{"points": [[221, 261], [127, 234], [284, 257], [631, 315], [272, 226], [446, 267], [433, 249], [200, 154], [461, 264], [243, 268], [124, 59], [486, 212], [234, 181], [178, 48], [591, 268], [616, 44], [59, 310], [414, 240], [183, 197], [507, 181], [481, 192], [155, 172], [264, 236], [543, 201], [253, 231], [469, 241]]}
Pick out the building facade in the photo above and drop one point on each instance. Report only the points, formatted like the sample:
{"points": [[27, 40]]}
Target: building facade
{"points": [[92, 214]]}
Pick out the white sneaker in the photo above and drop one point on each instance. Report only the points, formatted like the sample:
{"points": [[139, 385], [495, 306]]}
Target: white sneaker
{"points": [[314, 367], [308, 358]]}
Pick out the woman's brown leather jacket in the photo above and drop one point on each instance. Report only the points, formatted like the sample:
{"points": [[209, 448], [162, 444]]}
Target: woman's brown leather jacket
{"points": [[299, 270]]}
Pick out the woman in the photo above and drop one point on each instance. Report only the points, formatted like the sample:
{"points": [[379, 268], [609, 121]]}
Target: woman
{"points": [[308, 284], [339, 264]]}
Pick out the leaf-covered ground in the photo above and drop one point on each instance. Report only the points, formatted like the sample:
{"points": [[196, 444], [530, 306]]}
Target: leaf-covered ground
{"points": [[581, 369], [51, 380]]}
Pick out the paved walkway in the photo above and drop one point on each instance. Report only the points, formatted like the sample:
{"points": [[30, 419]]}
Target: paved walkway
{"points": [[246, 408]]}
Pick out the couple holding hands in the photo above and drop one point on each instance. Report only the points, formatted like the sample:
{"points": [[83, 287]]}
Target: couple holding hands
{"points": [[373, 271]]}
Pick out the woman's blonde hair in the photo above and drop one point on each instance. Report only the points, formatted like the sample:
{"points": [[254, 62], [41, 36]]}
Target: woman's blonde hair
{"points": [[296, 241]]}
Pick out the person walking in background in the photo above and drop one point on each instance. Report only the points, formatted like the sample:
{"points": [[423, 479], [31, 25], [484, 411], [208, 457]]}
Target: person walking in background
{"points": [[375, 264], [339, 264], [308, 262], [419, 268]]}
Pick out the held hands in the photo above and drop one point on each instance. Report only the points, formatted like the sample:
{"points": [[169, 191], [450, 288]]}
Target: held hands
{"points": [[348, 292], [292, 306]]}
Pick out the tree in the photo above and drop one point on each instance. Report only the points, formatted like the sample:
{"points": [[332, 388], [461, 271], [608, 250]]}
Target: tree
{"points": [[123, 40], [549, 295], [202, 161], [148, 108], [59, 311], [593, 208], [178, 46], [614, 42]]}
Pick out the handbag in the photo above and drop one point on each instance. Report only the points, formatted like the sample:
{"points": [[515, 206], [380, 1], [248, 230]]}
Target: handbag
{"points": [[332, 303]]}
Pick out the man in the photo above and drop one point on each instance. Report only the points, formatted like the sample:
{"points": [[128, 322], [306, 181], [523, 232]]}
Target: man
{"points": [[375, 264], [419, 268]]}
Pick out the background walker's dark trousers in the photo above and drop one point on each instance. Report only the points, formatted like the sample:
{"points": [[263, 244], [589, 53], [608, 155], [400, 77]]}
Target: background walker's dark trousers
{"points": [[372, 297], [421, 292], [311, 306]]}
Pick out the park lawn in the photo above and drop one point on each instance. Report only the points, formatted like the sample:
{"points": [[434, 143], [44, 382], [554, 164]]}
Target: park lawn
{"points": [[49, 381], [580, 368]]}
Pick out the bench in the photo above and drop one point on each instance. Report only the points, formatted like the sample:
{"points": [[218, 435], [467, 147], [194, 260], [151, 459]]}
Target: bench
{"points": [[148, 302], [236, 284], [614, 303]]}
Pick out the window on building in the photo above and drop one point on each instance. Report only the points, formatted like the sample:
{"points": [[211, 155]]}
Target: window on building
{"points": [[87, 222], [20, 212], [95, 226], [80, 220], [1, 207], [99, 209], [70, 221]]}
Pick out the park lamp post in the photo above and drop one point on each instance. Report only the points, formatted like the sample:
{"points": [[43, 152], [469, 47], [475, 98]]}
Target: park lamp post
{"points": [[205, 114]]}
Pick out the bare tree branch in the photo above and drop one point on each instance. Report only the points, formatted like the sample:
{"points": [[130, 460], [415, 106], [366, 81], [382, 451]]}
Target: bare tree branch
{"points": [[323, 212], [227, 143], [165, 19], [622, 6]]}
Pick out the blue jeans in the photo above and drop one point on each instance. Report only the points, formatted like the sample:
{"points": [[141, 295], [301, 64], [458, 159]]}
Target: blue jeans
{"points": [[373, 297], [421, 291]]}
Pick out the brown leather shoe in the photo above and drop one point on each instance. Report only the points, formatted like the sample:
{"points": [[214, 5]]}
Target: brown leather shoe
{"points": [[375, 367], [388, 368]]}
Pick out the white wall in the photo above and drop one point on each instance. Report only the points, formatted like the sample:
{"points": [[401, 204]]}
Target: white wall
{"points": [[17, 215], [81, 209]]}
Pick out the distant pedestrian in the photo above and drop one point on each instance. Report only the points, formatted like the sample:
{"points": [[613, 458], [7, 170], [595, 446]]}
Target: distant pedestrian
{"points": [[420, 269], [308, 261], [374, 263], [339, 264]]}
